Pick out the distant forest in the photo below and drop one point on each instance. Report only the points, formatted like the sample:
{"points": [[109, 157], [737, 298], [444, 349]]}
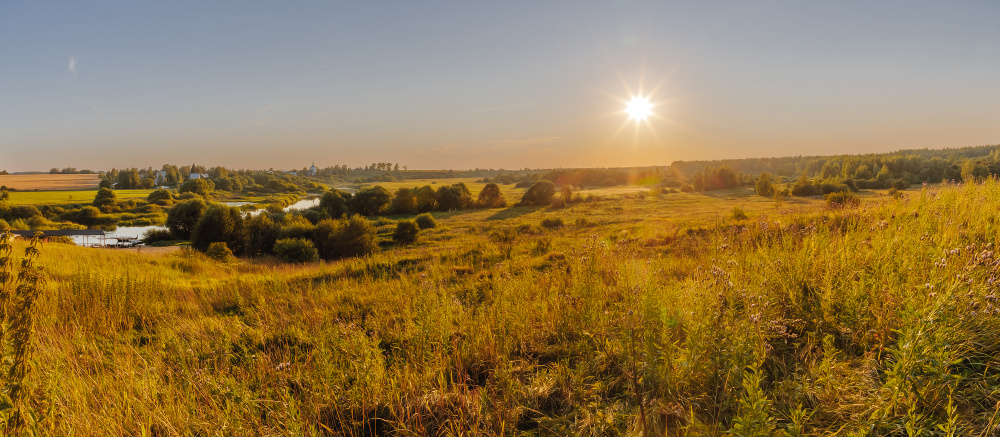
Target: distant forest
{"points": [[875, 170]]}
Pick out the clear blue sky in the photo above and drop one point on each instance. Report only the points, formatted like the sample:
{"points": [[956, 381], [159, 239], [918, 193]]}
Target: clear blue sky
{"points": [[428, 84]]}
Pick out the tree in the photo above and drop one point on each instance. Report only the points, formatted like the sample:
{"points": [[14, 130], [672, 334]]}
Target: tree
{"points": [[566, 194], [261, 233], [128, 179], [353, 237], [371, 201], [764, 185], [426, 199], [406, 232], [805, 187], [334, 203], [183, 216], [296, 250], [219, 223], [105, 183], [404, 202], [198, 186], [105, 199], [455, 196], [539, 194], [491, 197]]}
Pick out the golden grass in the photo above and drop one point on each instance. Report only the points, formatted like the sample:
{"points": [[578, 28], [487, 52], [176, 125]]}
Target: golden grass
{"points": [[70, 197], [798, 320]]}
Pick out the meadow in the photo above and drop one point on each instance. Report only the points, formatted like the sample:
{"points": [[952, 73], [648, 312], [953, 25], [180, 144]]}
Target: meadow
{"points": [[69, 197], [680, 314]]}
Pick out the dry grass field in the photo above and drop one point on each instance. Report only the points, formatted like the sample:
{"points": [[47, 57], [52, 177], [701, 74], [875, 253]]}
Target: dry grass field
{"points": [[50, 181]]}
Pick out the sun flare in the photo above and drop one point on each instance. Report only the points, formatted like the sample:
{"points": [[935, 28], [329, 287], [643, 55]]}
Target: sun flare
{"points": [[639, 109]]}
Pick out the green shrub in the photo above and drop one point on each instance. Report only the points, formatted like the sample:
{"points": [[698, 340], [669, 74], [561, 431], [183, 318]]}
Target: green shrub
{"points": [[764, 185], [105, 199], [182, 217], [842, 199], [200, 187], [160, 197], [425, 221], [738, 214], [551, 223], [491, 197], [406, 232], [219, 223], [899, 184], [352, 237], [154, 235], [219, 252], [296, 250], [540, 194], [261, 234]]}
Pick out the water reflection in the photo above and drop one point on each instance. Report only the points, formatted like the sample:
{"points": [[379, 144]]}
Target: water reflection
{"points": [[112, 236]]}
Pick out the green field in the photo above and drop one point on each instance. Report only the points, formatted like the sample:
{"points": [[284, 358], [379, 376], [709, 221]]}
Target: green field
{"points": [[69, 197], [666, 314]]}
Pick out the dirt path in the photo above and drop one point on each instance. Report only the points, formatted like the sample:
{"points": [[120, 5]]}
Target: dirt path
{"points": [[150, 250]]}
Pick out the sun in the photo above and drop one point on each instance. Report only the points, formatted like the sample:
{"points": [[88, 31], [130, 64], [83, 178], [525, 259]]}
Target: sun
{"points": [[639, 109]]}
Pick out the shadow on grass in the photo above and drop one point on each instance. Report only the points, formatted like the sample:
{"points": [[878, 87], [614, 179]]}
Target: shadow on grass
{"points": [[513, 212]]}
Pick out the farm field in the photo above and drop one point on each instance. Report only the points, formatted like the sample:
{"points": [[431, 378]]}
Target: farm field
{"points": [[669, 315], [50, 181], [70, 197]]}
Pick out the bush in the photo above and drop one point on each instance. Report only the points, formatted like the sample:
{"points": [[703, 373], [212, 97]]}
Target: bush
{"points": [[371, 201], [453, 197], [219, 252], [491, 197], [335, 203], [842, 199], [352, 237], [540, 194], [426, 221], [154, 235], [738, 214], [552, 222], [261, 234], [764, 185], [105, 199], [182, 217], [219, 223], [200, 187], [296, 250], [406, 232], [160, 197], [687, 188], [404, 202]]}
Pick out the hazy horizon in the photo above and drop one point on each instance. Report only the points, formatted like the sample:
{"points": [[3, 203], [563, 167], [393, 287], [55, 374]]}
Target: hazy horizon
{"points": [[447, 85]]}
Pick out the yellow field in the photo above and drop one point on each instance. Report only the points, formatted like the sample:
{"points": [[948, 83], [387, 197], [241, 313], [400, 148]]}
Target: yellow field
{"points": [[68, 197], [50, 181]]}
